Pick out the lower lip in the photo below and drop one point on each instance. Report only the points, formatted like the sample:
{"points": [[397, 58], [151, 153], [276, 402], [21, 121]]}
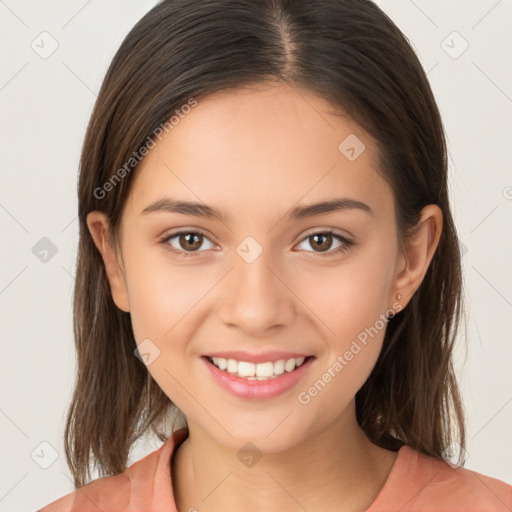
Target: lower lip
{"points": [[257, 389]]}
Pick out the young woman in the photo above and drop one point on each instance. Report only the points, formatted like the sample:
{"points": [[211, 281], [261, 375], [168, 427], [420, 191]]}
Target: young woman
{"points": [[267, 254]]}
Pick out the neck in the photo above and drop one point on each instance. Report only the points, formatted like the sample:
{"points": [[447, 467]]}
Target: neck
{"points": [[335, 468]]}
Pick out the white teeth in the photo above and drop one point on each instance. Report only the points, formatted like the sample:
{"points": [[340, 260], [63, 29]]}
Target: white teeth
{"points": [[264, 369], [232, 366], [245, 369], [289, 365], [221, 363], [259, 371], [279, 367]]}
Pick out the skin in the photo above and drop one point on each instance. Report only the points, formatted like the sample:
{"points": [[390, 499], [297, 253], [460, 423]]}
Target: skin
{"points": [[256, 153]]}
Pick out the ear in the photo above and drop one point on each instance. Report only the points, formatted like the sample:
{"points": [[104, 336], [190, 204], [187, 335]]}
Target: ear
{"points": [[99, 228], [413, 265]]}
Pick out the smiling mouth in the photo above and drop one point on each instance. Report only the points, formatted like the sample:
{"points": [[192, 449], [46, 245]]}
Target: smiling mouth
{"points": [[257, 371]]}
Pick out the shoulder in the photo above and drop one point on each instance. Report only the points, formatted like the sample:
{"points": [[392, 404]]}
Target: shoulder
{"points": [[101, 494], [419, 482], [144, 485]]}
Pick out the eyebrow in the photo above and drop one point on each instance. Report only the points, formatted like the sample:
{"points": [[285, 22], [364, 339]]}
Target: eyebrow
{"points": [[170, 205]]}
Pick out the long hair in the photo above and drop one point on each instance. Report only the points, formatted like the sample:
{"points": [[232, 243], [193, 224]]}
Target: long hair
{"points": [[345, 51]]}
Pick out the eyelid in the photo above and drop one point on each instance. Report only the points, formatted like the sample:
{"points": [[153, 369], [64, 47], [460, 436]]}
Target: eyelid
{"points": [[339, 232], [309, 232]]}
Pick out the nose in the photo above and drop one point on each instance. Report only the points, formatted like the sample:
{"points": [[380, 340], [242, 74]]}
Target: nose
{"points": [[258, 296]]}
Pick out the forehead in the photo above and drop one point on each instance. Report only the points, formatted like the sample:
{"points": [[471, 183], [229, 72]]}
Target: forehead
{"points": [[262, 150]]}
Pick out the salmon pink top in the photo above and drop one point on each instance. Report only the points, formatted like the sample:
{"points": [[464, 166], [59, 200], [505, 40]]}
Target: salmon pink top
{"points": [[416, 483]]}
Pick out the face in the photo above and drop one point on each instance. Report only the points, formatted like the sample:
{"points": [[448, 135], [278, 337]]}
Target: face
{"points": [[260, 279]]}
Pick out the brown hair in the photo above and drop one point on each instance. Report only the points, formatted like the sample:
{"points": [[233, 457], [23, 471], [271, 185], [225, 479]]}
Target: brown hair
{"points": [[347, 52]]}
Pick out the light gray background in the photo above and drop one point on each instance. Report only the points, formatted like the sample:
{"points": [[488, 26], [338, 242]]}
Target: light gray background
{"points": [[45, 105]]}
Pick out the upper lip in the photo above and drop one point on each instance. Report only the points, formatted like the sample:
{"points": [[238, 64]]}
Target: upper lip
{"points": [[260, 357]]}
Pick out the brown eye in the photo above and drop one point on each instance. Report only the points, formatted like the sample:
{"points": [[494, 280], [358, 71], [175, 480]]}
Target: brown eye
{"points": [[190, 241], [187, 241], [322, 242]]}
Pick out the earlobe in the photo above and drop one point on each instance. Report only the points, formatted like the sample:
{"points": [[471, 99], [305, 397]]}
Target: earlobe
{"points": [[413, 265], [98, 225]]}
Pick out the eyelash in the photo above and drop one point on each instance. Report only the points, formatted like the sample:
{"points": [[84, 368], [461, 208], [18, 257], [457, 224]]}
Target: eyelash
{"points": [[347, 244]]}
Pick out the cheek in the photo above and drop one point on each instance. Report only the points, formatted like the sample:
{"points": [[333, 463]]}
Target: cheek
{"points": [[162, 300], [353, 325], [346, 299], [166, 308], [162, 294], [349, 303]]}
